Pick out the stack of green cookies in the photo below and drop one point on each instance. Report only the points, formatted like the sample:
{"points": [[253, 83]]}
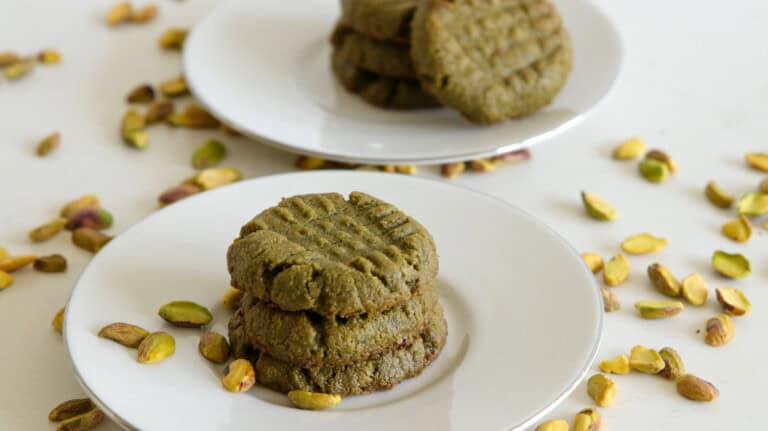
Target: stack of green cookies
{"points": [[339, 295], [489, 60]]}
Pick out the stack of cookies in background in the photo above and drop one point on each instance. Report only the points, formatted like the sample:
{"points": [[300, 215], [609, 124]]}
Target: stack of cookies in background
{"points": [[339, 295], [489, 60]]}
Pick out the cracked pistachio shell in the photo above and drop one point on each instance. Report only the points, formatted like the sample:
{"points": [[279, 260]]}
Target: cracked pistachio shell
{"points": [[646, 360], [133, 130], [763, 186], [70, 409], [758, 161], [185, 314], [733, 301], [214, 347], [731, 265], [58, 321], [654, 170], [481, 165], [719, 330], [216, 177], [5, 280], [313, 400], [694, 289], [631, 149], [610, 300], [90, 239], [48, 230], [209, 154], [156, 347], [664, 158], [49, 144], [696, 389], [659, 309], [597, 208], [143, 93], [643, 243], [663, 280], [94, 218], [174, 87], [753, 204], [673, 364], [84, 422], [616, 270], [124, 333], [158, 111], [239, 376], [173, 38], [593, 261], [617, 365], [738, 230], [85, 201], [717, 196], [452, 170], [588, 420], [602, 389], [51, 264], [177, 193], [553, 425]]}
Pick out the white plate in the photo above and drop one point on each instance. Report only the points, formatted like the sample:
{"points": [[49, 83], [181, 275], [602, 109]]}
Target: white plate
{"points": [[264, 67], [524, 315]]}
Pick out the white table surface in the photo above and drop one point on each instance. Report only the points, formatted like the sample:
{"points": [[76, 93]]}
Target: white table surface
{"points": [[694, 85]]}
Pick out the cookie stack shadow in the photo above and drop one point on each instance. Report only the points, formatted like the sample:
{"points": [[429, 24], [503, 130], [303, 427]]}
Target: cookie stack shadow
{"points": [[339, 295]]}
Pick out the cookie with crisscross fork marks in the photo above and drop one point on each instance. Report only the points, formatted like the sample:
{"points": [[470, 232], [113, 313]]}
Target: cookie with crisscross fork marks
{"points": [[335, 257]]}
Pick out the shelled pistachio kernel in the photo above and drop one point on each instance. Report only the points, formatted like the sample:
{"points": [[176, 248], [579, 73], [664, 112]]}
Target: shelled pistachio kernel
{"points": [[5, 280], [452, 170], [630, 149], [733, 301], [310, 163], [18, 69], [481, 165], [3, 253], [763, 186], [49, 144], [717, 196], [70, 409], [177, 193], [753, 204], [617, 365], [553, 425], [588, 420], [659, 309], [173, 38], [84, 422], [216, 177], [124, 333], [119, 13], [663, 280], [185, 314], [664, 158], [654, 170], [174, 87], [616, 270], [90, 239], [694, 289], [738, 230], [156, 347], [673, 364], [597, 208], [696, 389], [194, 117], [49, 56], [602, 389], [209, 154], [758, 161], [158, 111], [132, 130], [51, 264], [7, 58], [646, 360], [85, 201], [48, 230], [731, 265], [143, 93], [58, 321], [145, 14], [232, 298], [313, 400], [15, 263], [643, 243], [610, 300], [214, 347], [406, 169], [94, 218], [719, 330], [239, 376], [593, 261]]}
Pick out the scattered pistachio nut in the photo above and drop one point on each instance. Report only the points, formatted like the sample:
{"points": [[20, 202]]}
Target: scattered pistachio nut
{"points": [[185, 314], [643, 243], [156, 347], [719, 330], [15, 263], [602, 389], [597, 208], [753, 204], [133, 130], [177, 193], [310, 163], [85, 201], [145, 14], [553, 425], [733, 301], [90, 239], [663, 280], [52, 263], [239, 376], [694, 289], [232, 298], [616, 270], [7, 58], [646, 360], [452, 170], [194, 117], [214, 347], [94, 218], [610, 300], [158, 111], [124, 333], [593, 261], [313, 400], [654, 170], [664, 158], [5, 280], [630, 149], [48, 145], [175, 87], [70, 409], [18, 69], [216, 177], [119, 13], [144, 93], [763, 186], [696, 389], [659, 309], [49, 56], [731, 265], [588, 420], [209, 154], [481, 165], [717, 196], [406, 169], [673, 364], [758, 161], [58, 321], [738, 230], [84, 422], [48, 230], [173, 38], [617, 365], [3, 253]]}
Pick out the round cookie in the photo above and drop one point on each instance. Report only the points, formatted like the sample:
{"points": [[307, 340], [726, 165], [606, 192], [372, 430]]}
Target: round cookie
{"points": [[381, 19], [491, 61], [377, 56], [335, 257], [388, 93], [305, 340]]}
